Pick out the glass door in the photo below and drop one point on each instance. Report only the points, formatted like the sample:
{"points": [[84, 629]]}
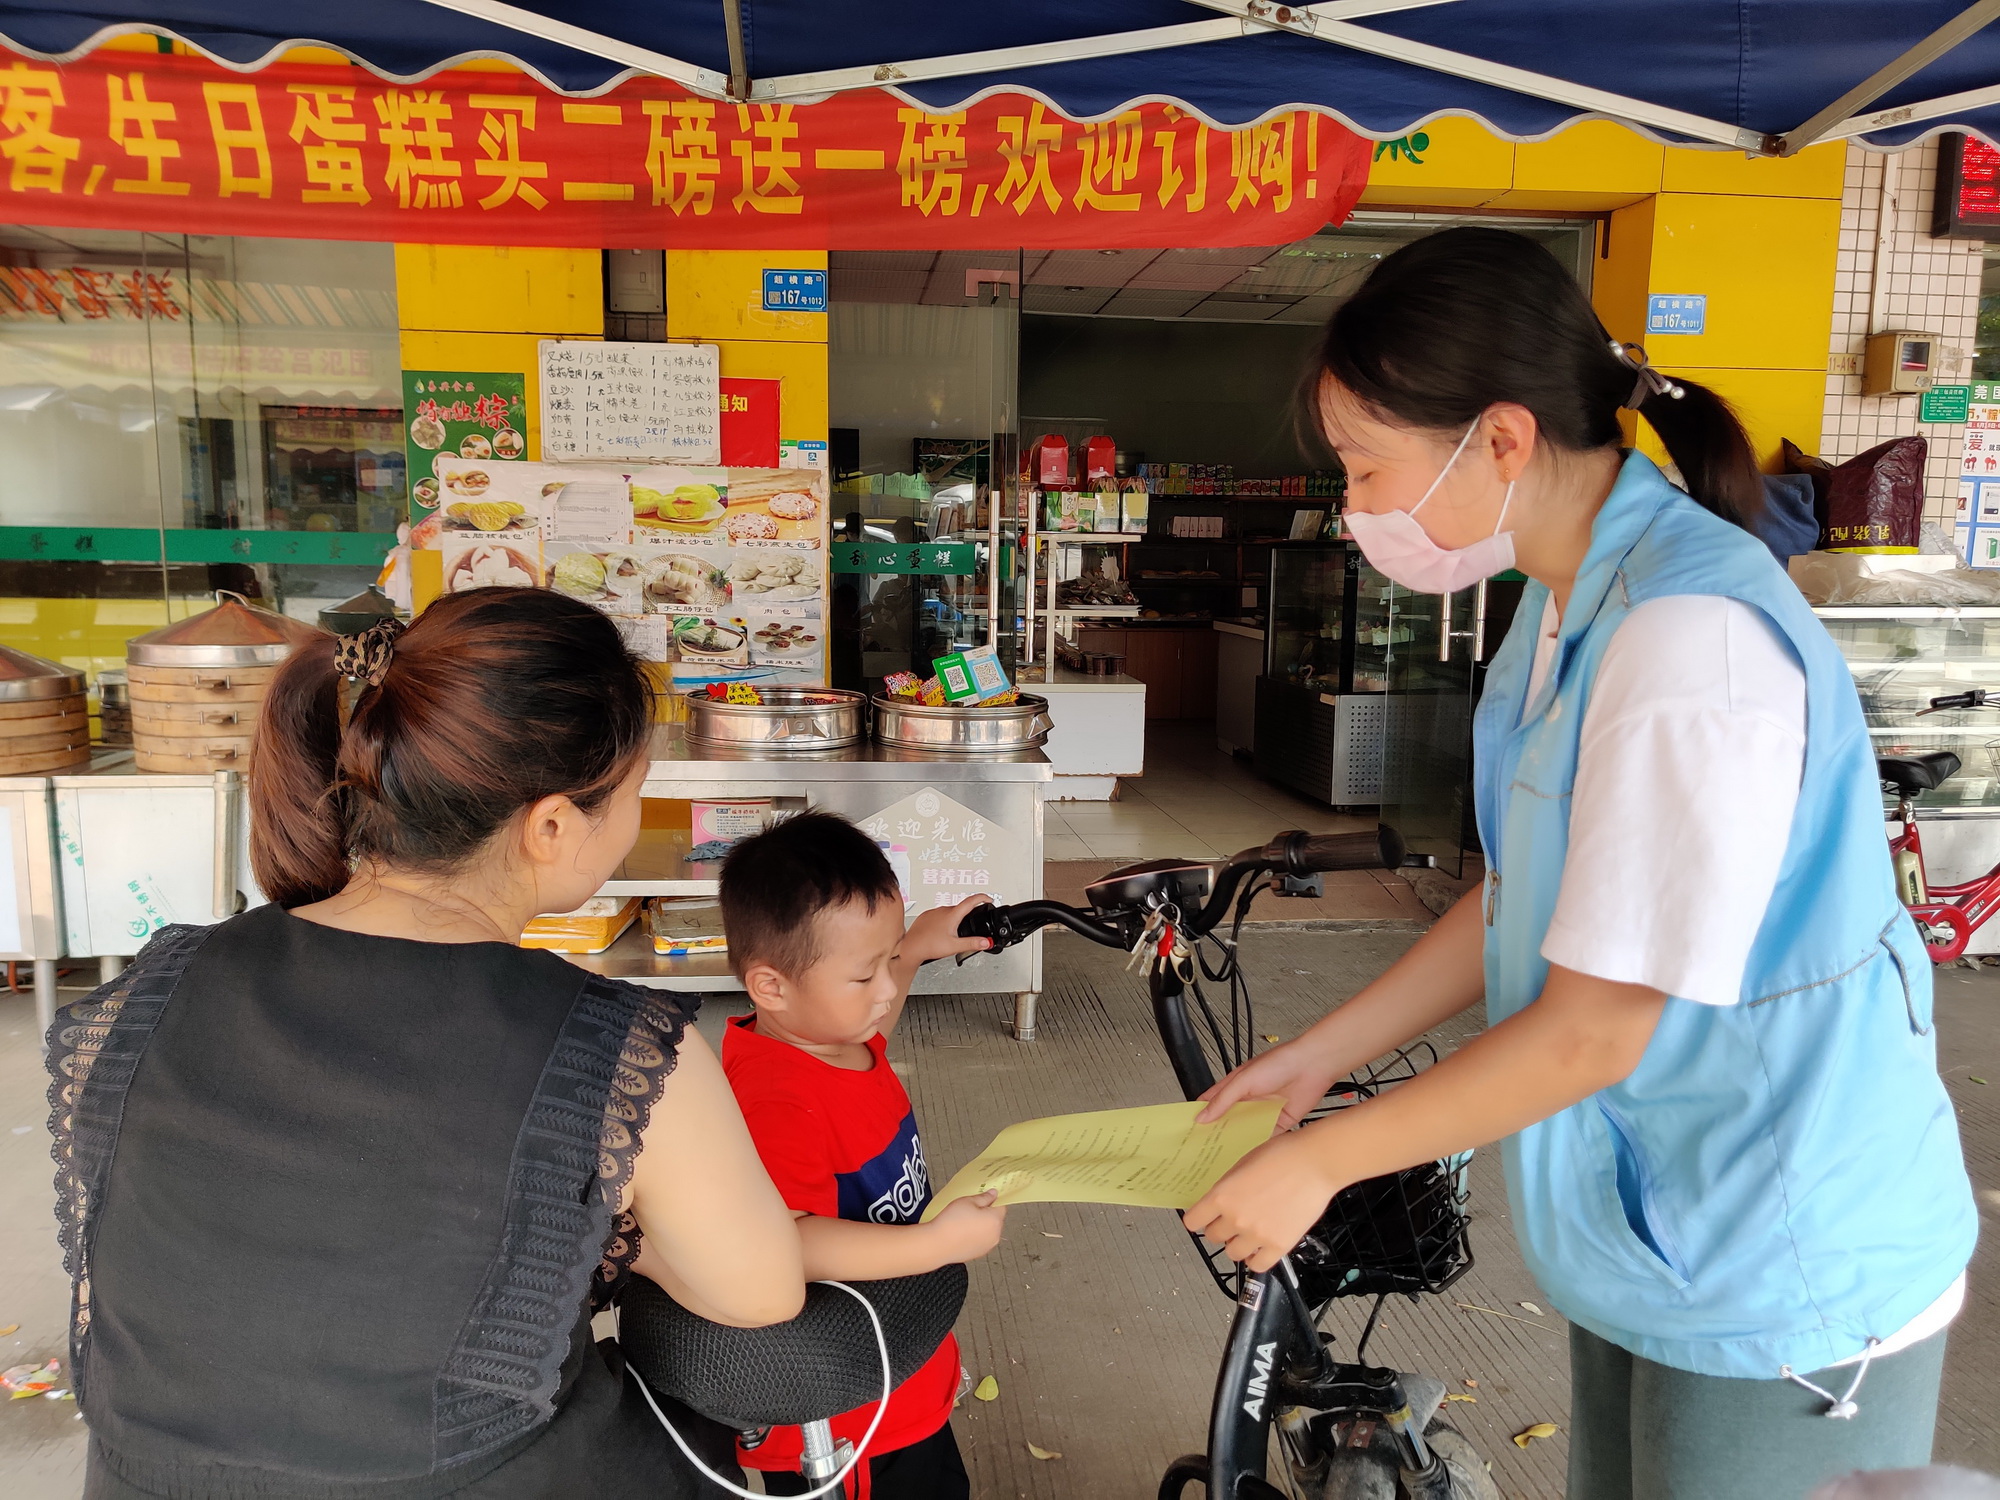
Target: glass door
{"points": [[928, 522], [1434, 646]]}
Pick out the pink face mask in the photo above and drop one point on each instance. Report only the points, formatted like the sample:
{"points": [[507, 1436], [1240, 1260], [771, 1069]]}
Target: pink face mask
{"points": [[1396, 545]]}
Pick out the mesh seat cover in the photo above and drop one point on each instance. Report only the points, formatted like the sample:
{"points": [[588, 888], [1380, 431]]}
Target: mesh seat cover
{"points": [[820, 1364]]}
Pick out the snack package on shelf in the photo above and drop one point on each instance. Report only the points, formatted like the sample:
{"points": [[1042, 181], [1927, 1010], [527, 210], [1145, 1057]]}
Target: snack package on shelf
{"points": [[931, 693], [1134, 506], [902, 685], [591, 928], [685, 925]]}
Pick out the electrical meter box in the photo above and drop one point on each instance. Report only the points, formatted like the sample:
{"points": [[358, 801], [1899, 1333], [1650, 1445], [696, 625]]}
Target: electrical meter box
{"points": [[1900, 362]]}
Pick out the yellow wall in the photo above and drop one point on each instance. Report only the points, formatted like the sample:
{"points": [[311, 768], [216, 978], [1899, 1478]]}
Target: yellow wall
{"points": [[716, 296], [1758, 238]]}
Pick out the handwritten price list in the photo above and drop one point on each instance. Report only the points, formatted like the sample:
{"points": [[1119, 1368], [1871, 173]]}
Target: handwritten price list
{"points": [[630, 401]]}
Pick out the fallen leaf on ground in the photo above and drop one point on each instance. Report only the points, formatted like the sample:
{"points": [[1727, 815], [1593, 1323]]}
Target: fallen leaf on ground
{"points": [[1539, 1430], [1976, 1078], [1050, 1234], [1269, 1038], [10, 1328], [1042, 1453], [987, 1390], [1460, 1396], [1529, 1306], [1471, 1384]]}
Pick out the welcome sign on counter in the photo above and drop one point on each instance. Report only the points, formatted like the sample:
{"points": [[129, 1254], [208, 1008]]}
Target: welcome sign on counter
{"points": [[631, 402]]}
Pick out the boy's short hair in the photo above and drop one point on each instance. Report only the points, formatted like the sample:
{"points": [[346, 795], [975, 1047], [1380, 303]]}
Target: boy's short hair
{"points": [[776, 883]]}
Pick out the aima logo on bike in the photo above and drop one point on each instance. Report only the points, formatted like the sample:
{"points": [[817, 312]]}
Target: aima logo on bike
{"points": [[1259, 1385]]}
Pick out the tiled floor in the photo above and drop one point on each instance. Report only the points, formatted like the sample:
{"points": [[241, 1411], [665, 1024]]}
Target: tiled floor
{"points": [[1193, 800]]}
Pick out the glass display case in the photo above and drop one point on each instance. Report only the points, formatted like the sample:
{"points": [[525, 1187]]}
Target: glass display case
{"points": [[1319, 708], [1902, 657]]}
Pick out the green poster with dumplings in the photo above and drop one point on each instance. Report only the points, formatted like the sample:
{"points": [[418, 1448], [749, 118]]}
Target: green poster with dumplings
{"points": [[469, 414]]}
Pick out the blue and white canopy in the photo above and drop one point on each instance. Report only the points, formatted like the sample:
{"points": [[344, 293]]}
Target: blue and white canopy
{"points": [[1764, 76]]}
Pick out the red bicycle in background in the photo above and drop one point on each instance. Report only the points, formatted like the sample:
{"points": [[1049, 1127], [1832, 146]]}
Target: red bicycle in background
{"points": [[1946, 915]]}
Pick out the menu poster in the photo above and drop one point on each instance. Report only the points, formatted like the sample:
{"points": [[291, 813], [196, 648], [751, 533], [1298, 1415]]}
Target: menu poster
{"points": [[478, 416], [631, 403], [720, 572]]}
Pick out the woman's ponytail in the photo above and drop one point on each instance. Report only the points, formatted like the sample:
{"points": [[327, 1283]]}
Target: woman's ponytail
{"points": [[1706, 441], [1460, 320], [298, 828]]}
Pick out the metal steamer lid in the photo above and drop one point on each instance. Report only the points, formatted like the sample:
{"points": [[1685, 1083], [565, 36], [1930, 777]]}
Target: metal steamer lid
{"points": [[23, 676], [352, 616], [233, 634]]}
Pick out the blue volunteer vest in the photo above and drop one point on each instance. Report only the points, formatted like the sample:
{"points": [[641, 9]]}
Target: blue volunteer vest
{"points": [[1780, 1180]]}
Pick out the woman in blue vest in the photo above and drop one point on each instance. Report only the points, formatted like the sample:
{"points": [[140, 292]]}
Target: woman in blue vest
{"points": [[1729, 1158]]}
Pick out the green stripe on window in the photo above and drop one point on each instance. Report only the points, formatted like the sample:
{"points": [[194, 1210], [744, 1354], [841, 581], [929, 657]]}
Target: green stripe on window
{"points": [[141, 544]]}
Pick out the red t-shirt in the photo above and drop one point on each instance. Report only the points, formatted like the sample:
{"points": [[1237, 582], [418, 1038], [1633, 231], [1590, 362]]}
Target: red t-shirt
{"points": [[840, 1144]]}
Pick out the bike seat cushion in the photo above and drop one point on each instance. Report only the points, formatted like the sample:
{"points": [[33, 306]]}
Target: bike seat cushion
{"points": [[820, 1364], [1910, 774]]}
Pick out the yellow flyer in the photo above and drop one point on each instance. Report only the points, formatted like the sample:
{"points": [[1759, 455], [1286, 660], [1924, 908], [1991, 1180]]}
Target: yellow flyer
{"points": [[1155, 1156]]}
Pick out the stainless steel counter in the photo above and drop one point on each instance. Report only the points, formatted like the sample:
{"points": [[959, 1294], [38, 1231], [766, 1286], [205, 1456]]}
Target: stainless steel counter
{"points": [[952, 826]]}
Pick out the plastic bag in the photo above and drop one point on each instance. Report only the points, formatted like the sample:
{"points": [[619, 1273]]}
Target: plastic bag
{"points": [[1874, 502]]}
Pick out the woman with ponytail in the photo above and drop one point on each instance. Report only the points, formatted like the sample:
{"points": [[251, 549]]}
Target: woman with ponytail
{"points": [[1730, 1162], [342, 1180]]}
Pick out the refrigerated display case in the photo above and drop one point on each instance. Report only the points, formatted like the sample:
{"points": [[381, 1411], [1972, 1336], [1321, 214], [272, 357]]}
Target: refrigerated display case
{"points": [[1319, 699], [1901, 658]]}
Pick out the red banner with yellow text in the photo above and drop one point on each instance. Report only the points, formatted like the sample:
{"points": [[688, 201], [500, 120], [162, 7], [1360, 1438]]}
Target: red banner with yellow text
{"points": [[181, 145]]}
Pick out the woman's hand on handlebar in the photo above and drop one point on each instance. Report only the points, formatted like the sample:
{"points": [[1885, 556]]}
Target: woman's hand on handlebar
{"points": [[1299, 1072], [1265, 1203]]}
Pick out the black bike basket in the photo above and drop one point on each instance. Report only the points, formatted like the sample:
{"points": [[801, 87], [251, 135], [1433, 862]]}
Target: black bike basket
{"points": [[1404, 1232]]}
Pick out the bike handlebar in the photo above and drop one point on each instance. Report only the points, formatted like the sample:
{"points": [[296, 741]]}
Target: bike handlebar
{"points": [[1976, 698], [1296, 853]]}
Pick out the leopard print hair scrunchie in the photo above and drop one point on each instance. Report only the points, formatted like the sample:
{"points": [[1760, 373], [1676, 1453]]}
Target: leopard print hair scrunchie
{"points": [[362, 660]]}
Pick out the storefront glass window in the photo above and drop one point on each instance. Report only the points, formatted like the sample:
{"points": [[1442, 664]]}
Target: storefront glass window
{"points": [[160, 389], [1986, 348]]}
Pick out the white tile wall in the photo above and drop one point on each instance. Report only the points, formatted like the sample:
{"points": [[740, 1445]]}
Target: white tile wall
{"points": [[1933, 285]]}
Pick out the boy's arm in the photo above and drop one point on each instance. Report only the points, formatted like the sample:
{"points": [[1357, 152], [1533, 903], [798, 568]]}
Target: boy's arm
{"points": [[934, 934], [843, 1250]]}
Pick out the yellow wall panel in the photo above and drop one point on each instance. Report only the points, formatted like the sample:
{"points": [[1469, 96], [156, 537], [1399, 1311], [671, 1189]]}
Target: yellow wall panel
{"points": [[802, 368], [1816, 172], [1594, 159], [501, 288], [1619, 277], [1456, 158], [1767, 268], [1773, 405], [719, 294]]}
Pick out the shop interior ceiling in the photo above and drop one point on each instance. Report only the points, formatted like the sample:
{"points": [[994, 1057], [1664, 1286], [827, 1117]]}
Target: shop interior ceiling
{"points": [[1297, 283], [1764, 76]]}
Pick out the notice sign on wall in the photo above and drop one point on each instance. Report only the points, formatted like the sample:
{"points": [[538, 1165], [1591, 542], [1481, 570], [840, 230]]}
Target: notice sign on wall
{"points": [[631, 402]]}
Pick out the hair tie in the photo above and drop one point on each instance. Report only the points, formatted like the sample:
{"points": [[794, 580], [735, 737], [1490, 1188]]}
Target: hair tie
{"points": [[1650, 382], [362, 661]]}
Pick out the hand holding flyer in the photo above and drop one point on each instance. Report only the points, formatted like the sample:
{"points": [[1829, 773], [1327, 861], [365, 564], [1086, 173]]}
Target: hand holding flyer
{"points": [[1155, 1156]]}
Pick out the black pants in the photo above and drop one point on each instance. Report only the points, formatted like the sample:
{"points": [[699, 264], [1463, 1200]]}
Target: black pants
{"points": [[930, 1470]]}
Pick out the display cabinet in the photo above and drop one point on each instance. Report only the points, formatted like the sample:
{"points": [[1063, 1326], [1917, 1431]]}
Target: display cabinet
{"points": [[1319, 706], [1901, 658]]}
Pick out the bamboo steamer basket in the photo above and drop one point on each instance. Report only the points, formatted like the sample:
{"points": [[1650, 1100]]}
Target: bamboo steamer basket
{"points": [[199, 755], [197, 686], [197, 718], [44, 716]]}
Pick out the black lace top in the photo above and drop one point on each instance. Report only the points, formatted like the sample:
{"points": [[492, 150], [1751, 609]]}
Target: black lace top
{"points": [[336, 1208]]}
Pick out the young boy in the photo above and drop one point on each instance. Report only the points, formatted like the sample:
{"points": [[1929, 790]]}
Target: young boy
{"points": [[815, 923]]}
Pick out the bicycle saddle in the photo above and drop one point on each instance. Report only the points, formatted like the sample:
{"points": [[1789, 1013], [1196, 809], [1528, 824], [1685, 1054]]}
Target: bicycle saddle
{"points": [[820, 1364], [1910, 774]]}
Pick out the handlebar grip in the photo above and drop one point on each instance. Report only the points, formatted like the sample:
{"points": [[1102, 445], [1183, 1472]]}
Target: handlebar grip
{"points": [[1323, 852], [982, 921]]}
